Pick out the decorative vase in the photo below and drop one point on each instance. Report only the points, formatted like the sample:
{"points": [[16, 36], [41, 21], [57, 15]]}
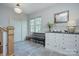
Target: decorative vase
{"points": [[49, 29], [71, 29]]}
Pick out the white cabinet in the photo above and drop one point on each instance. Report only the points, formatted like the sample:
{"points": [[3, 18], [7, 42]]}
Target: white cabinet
{"points": [[63, 43]]}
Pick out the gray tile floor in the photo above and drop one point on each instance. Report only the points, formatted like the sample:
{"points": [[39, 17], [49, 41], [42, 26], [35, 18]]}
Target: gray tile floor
{"points": [[28, 48]]}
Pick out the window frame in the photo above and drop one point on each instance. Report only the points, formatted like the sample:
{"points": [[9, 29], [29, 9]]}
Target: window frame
{"points": [[35, 24]]}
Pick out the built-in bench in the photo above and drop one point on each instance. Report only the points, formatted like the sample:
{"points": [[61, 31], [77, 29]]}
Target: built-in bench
{"points": [[39, 38]]}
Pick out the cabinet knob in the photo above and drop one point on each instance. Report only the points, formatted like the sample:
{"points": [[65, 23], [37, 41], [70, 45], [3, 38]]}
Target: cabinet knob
{"points": [[63, 38], [75, 40], [55, 45], [75, 45], [63, 48], [63, 43], [75, 36], [76, 51], [47, 43]]}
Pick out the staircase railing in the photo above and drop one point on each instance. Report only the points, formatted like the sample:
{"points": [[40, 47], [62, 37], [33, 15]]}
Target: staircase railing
{"points": [[9, 40]]}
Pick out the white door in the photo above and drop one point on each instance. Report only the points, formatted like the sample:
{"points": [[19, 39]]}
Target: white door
{"points": [[20, 29], [17, 31], [24, 29]]}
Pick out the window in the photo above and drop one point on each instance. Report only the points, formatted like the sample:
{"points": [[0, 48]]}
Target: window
{"points": [[35, 25], [32, 25]]}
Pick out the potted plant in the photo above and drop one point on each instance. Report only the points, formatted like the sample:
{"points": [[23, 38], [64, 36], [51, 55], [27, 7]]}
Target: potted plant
{"points": [[50, 24]]}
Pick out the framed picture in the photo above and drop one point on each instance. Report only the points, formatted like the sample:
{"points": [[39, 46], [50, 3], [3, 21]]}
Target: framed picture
{"points": [[61, 17]]}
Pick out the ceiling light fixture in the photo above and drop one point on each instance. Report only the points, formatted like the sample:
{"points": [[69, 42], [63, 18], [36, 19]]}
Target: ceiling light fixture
{"points": [[17, 9]]}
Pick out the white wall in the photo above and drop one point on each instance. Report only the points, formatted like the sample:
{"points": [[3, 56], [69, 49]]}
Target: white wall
{"points": [[9, 17], [48, 14], [4, 16]]}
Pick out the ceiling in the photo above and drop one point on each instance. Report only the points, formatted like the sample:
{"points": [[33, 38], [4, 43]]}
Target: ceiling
{"points": [[29, 8]]}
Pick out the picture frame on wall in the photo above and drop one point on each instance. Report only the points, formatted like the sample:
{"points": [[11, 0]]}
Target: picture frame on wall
{"points": [[61, 17]]}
